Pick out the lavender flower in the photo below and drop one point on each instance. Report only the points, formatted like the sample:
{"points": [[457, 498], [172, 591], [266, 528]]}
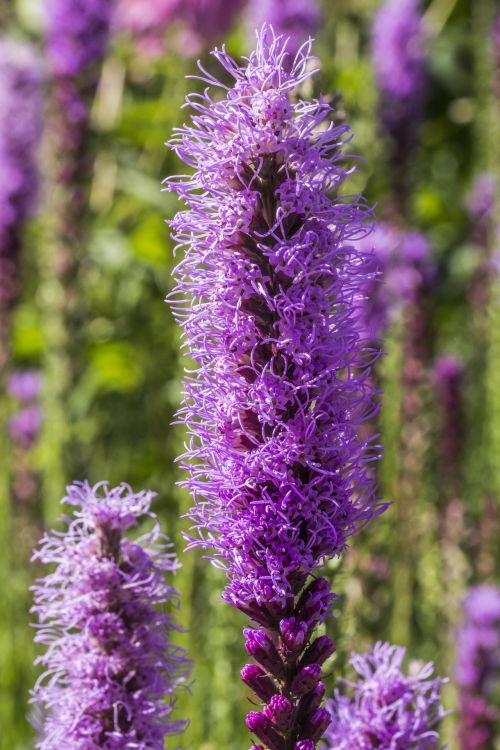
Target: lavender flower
{"points": [[279, 470], [478, 669], [20, 129], [387, 709], [109, 662], [295, 19]]}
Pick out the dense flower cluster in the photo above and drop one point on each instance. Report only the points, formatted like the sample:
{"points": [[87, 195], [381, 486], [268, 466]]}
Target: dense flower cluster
{"points": [[400, 70], [195, 23], [405, 267], [478, 669], [386, 709], [295, 19], [267, 295], [20, 129], [109, 662]]}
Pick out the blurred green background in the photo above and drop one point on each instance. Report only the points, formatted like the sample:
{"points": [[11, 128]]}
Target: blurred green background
{"points": [[405, 575]]}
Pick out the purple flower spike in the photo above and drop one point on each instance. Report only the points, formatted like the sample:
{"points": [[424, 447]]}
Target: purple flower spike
{"points": [[478, 669], [388, 710], [280, 469], [109, 664]]}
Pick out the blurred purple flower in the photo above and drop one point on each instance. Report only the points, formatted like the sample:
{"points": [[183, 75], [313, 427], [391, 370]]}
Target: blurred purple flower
{"points": [[195, 23], [295, 19], [25, 385], [478, 668], [386, 709], [77, 35], [111, 670], [25, 425], [20, 130], [399, 61], [405, 267], [280, 469]]}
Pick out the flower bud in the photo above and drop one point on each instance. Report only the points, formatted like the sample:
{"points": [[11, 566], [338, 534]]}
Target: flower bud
{"points": [[293, 633], [311, 700], [256, 679], [319, 651], [260, 725], [280, 711], [306, 679], [316, 725]]}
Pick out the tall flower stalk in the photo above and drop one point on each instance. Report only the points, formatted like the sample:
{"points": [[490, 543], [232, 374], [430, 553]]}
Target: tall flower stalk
{"points": [[267, 292], [111, 668]]}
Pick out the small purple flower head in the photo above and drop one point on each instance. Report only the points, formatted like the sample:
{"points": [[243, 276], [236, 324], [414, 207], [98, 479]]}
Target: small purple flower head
{"points": [[294, 19], [111, 670], [399, 61], [478, 668], [386, 709], [20, 130]]}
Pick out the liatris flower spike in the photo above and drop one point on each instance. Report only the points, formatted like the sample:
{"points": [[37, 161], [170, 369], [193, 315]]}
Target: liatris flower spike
{"points": [[280, 470], [111, 669], [386, 709], [478, 669]]}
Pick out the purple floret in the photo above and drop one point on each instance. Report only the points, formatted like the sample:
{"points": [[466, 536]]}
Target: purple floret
{"points": [[478, 668], [267, 294], [111, 670], [384, 708]]}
